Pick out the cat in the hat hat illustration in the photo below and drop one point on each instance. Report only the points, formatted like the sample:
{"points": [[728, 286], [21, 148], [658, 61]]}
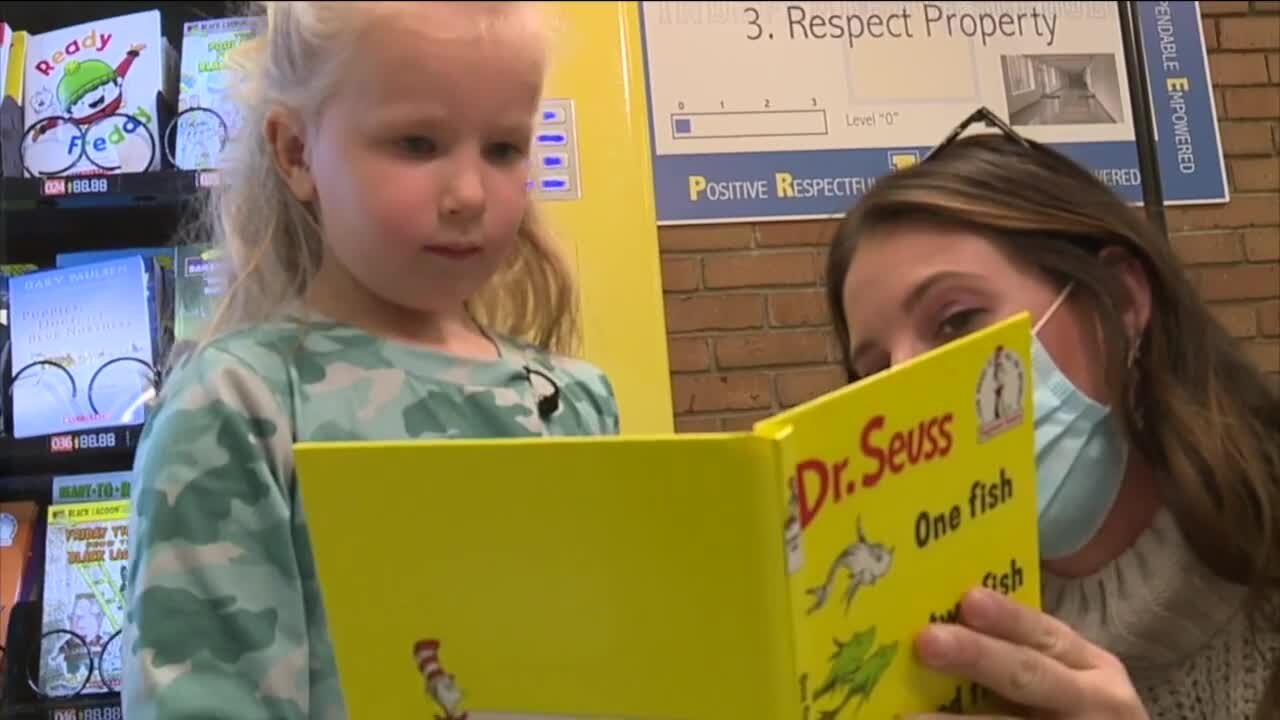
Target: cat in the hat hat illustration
{"points": [[441, 686]]}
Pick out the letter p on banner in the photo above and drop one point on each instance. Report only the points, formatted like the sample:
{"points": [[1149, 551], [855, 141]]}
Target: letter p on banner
{"points": [[697, 184]]}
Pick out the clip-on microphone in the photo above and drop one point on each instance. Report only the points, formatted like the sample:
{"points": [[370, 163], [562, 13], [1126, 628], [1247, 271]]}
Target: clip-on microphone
{"points": [[549, 403]]}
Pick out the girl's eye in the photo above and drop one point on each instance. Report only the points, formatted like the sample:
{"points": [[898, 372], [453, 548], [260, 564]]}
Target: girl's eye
{"points": [[417, 145], [959, 323], [504, 153]]}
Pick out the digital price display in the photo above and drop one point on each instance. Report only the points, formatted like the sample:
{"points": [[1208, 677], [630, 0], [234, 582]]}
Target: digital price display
{"points": [[54, 453], [93, 440], [58, 187], [108, 709]]}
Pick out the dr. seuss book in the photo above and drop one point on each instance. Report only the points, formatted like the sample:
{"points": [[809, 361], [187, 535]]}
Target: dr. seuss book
{"points": [[83, 343], [86, 560], [781, 573], [204, 82], [90, 94]]}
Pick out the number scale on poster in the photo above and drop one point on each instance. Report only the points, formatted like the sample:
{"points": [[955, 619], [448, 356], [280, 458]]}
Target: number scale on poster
{"points": [[777, 111]]}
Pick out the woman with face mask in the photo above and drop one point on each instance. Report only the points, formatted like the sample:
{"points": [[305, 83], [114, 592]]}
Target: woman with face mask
{"points": [[1157, 441]]}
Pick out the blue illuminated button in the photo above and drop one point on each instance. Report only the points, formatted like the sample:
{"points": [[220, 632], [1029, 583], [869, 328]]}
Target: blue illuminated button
{"points": [[554, 183], [555, 161], [552, 138], [553, 115]]}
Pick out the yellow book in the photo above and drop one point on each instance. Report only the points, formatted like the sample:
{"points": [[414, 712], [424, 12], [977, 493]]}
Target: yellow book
{"points": [[776, 574], [17, 57]]}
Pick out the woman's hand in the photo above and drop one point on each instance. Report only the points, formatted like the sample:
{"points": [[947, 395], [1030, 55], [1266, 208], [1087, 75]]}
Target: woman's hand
{"points": [[1031, 660]]}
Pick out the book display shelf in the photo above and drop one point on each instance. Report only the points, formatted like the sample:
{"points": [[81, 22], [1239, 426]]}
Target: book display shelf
{"points": [[112, 117]]}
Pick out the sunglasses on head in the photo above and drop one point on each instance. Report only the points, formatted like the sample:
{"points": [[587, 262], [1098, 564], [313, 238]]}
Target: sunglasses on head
{"points": [[986, 117], [990, 119]]}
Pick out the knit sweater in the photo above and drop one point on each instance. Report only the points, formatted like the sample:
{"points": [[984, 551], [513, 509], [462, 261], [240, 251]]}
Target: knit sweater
{"points": [[1177, 628]]}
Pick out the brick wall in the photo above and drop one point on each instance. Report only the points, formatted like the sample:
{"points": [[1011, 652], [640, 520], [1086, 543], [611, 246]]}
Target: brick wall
{"points": [[745, 315]]}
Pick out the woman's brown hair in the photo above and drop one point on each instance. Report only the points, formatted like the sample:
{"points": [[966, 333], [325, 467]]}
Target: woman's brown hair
{"points": [[1197, 408]]}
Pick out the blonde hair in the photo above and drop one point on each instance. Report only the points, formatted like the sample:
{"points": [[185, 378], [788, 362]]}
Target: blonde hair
{"points": [[270, 242]]}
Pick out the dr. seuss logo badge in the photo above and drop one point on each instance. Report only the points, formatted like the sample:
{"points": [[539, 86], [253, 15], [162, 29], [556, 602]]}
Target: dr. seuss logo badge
{"points": [[1000, 392]]}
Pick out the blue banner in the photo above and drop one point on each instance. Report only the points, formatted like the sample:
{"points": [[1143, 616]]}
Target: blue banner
{"points": [[822, 183], [1188, 144]]}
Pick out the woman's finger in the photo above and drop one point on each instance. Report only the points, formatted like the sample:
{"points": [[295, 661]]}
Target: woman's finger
{"points": [[997, 615], [1017, 673]]}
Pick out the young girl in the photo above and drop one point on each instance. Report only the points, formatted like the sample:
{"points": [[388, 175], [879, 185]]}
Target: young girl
{"points": [[388, 281]]}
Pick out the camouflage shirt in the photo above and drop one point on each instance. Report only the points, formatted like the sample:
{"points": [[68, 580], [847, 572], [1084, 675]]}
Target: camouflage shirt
{"points": [[225, 614]]}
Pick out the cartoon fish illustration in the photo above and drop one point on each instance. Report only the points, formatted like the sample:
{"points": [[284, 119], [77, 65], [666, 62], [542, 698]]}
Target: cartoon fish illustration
{"points": [[865, 563], [855, 672]]}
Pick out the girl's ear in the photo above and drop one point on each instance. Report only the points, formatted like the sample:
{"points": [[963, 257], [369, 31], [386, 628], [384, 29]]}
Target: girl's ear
{"points": [[1133, 275], [287, 141]]}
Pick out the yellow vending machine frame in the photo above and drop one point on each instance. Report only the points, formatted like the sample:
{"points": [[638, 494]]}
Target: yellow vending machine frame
{"points": [[605, 214]]}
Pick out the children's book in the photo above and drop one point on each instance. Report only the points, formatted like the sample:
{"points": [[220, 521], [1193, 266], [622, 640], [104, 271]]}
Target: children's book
{"points": [[83, 346], [6, 44], [86, 558], [198, 285], [6, 352], [17, 532], [208, 114], [92, 487], [91, 94], [13, 60], [779, 573], [160, 278]]}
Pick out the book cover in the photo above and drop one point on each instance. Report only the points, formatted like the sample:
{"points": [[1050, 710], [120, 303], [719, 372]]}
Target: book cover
{"points": [[11, 99], [91, 96], [159, 263], [17, 533], [83, 347], [6, 351], [927, 489], [198, 285], [14, 69], [86, 558], [782, 572], [203, 82], [6, 44], [92, 487]]}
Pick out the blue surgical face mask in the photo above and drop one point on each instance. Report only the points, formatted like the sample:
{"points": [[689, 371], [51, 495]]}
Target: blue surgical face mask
{"points": [[1080, 455]]}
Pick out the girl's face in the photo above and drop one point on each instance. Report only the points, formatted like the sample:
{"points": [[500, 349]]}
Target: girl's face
{"points": [[912, 289], [421, 159]]}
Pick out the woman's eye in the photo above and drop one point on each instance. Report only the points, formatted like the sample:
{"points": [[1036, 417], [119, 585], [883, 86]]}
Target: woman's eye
{"points": [[417, 145], [870, 367], [959, 323]]}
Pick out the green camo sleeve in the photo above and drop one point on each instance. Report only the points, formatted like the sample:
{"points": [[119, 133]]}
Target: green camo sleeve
{"points": [[219, 622]]}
